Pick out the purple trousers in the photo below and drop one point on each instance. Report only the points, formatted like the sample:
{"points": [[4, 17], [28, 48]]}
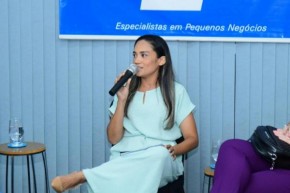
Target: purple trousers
{"points": [[239, 169]]}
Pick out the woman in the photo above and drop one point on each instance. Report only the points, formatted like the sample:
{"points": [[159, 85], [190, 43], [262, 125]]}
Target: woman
{"points": [[149, 113], [239, 169]]}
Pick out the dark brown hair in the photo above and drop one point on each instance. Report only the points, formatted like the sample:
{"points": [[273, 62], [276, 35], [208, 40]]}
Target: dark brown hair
{"points": [[165, 79]]}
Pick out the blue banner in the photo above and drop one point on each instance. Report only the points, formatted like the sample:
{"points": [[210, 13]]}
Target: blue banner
{"points": [[221, 20]]}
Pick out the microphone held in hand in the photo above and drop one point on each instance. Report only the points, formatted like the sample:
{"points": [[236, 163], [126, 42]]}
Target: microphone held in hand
{"points": [[132, 70]]}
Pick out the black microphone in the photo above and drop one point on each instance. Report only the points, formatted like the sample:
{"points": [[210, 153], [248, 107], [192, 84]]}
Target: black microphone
{"points": [[132, 70]]}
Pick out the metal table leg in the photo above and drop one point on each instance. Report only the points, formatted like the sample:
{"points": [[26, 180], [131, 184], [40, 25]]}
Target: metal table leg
{"points": [[28, 173], [12, 174], [7, 160], [46, 172], [33, 172]]}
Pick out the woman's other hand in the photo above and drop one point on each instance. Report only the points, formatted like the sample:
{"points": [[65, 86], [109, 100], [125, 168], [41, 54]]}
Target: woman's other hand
{"points": [[171, 151]]}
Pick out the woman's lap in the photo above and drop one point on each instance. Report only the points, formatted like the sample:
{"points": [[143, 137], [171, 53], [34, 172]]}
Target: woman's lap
{"points": [[144, 168], [270, 181], [240, 169]]}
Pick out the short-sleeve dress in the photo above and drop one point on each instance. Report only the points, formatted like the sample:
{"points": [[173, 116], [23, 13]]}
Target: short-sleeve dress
{"points": [[139, 162]]}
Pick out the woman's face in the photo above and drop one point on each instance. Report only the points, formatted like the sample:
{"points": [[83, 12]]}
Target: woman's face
{"points": [[283, 134], [146, 60]]}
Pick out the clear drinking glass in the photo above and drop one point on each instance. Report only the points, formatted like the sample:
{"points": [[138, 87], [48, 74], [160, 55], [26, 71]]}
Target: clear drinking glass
{"points": [[16, 132], [214, 152]]}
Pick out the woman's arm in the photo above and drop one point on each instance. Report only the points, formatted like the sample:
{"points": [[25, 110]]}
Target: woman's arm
{"points": [[115, 129], [190, 135]]}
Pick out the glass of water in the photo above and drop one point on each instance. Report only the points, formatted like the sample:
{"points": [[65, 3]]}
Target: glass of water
{"points": [[214, 153], [16, 133]]}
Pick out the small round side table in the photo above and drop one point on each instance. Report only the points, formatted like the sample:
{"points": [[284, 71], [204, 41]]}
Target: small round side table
{"points": [[208, 172], [31, 149]]}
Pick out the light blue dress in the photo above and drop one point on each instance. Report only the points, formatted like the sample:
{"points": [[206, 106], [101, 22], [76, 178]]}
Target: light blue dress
{"points": [[139, 163]]}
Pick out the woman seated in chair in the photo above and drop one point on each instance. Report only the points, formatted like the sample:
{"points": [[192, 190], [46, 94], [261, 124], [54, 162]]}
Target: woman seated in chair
{"points": [[148, 114], [239, 169]]}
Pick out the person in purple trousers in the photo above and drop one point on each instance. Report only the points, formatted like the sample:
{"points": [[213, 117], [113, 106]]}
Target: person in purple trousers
{"points": [[239, 169]]}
